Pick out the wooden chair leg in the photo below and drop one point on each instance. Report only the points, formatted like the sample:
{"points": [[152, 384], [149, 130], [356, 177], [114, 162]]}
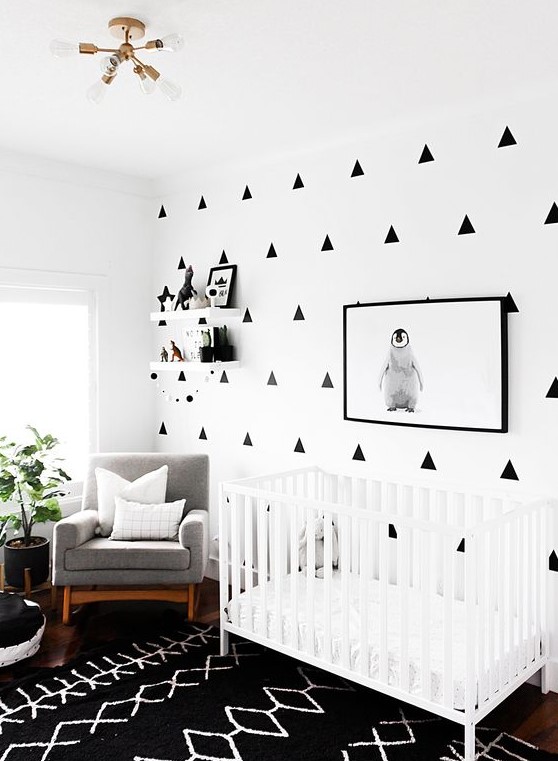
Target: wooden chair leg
{"points": [[2, 579], [66, 612], [191, 601]]}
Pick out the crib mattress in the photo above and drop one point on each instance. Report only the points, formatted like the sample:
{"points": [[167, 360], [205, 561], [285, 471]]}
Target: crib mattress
{"points": [[518, 649]]}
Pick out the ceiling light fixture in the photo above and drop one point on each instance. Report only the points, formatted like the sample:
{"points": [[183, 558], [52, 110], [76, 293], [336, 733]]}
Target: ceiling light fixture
{"points": [[128, 30]]}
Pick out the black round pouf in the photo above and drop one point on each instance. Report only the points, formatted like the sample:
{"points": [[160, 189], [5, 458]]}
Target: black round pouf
{"points": [[18, 622]]}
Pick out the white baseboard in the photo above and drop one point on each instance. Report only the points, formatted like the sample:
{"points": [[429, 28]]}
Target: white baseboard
{"points": [[553, 675]]}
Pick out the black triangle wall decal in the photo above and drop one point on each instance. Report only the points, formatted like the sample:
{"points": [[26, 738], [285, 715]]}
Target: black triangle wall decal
{"points": [[391, 237], [202, 204], [299, 447], [327, 244], [162, 430], [271, 380], [358, 455], [162, 213], [298, 314], [552, 217], [247, 195], [223, 259], [392, 533], [426, 155], [327, 382], [509, 472], [510, 304], [224, 378], [466, 227], [428, 462], [181, 265], [247, 441], [247, 316], [272, 253], [298, 183], [553, 390], [553, 561], [202, 321], [461, 545], [181, 376], [357, 170], [507, 139], [203, 435], [162, 324]]}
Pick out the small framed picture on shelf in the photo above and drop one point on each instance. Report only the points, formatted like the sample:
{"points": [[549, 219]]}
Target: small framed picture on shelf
{"points": [[222, 278]]}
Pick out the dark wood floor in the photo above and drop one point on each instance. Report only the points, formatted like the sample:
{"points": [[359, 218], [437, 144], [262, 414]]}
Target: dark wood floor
{"points": [[526, 714]]}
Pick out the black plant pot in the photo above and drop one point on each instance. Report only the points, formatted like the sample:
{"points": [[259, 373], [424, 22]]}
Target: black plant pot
{"points": [[17, 559], [226, 353], [206, 353]]}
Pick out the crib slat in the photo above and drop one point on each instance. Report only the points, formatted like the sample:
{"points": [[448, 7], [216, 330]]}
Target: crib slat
{"points": [[248, 560], [403, 552], [363, 596], [515, 631], [235, 542], [262, 564], [482, 623], [278, 588], [449, 564], [328, 581], [503, 580], [310, 578], [295, 575], [492, 580], [529, 590], [223, 553], [426, 677], [520, 566], [470, 627], [383, 585], [537, 551], [345, 579]]}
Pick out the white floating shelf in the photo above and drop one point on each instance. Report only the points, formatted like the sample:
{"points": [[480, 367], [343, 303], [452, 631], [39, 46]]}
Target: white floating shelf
{"points": [[196, 367], [212, 314]]}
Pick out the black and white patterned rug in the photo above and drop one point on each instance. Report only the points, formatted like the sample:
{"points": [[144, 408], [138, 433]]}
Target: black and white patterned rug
{"points": [[173, 698]]}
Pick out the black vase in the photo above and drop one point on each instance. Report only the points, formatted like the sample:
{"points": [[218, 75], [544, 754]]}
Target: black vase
{"points": [[17, 559], [226, 353]]}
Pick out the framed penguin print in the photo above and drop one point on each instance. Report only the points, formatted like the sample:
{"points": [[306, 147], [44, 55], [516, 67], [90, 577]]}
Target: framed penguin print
{"points": [[439, 363], [223, 278]]}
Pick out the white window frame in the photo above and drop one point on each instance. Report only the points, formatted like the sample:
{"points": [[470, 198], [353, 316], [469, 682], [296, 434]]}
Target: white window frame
{"points": [[96, 288]]}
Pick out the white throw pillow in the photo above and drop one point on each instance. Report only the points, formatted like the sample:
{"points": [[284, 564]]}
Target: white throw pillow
{"points": [[133, 520], [148, 489]]}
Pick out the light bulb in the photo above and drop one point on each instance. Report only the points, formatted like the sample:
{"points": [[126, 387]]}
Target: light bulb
{"points": [[110, 64], [169, 89], [63, 48], [97, 92], [147, 86], [172, 43]]}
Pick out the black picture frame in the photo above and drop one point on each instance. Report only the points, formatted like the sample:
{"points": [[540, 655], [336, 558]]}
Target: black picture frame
{"points": [[215, 274], [458, 328]]}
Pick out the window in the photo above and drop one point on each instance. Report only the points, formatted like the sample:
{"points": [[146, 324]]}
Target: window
{"points": [[47, 368]]}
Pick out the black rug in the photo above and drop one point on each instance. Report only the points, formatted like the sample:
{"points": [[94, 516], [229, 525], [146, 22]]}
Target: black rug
{"points": [[173, 698]]}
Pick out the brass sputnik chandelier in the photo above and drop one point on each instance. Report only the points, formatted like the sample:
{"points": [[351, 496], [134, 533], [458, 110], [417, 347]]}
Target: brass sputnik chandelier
{"points": [[128, 30]]}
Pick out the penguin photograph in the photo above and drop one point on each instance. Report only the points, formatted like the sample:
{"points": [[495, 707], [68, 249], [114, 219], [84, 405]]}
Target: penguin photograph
{"points": [[400, 377], [436, 363]]}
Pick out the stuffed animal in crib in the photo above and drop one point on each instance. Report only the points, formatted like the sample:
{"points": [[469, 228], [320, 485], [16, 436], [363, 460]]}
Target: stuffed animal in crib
{"points": [[319, 550]]}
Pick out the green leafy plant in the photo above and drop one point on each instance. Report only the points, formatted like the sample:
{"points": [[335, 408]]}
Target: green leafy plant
{"points": [[223, 336], [31, 477]]}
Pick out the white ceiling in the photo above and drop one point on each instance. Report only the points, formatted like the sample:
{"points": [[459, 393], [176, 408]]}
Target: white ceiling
{"points": [[262, 77]]}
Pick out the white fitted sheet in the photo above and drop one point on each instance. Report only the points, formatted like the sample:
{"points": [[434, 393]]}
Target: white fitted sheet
{"points": [[414, 640]]}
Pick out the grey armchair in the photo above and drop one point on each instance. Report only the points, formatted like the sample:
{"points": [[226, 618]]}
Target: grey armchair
{"points": [[93, 568]]}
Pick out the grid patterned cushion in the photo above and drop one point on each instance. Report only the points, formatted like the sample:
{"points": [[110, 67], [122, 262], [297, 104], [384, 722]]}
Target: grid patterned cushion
{"points": [[136, 521]]}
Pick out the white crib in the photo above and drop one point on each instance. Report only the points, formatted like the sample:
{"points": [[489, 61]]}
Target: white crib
{"points": [[439, 598]]}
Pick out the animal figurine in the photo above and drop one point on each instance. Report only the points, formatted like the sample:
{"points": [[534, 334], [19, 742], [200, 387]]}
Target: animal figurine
{"points": [[176, 353], [319, 552], [401, 376], [187, 290], [164, 355]]}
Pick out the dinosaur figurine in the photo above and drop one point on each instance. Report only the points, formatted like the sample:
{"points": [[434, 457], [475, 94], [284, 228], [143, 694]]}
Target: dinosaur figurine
{"points": [[187, 290], [176, 353]]}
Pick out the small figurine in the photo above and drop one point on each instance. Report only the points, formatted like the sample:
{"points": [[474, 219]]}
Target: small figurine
{"points": [[164, 355], [176, 353], [187, 290]]}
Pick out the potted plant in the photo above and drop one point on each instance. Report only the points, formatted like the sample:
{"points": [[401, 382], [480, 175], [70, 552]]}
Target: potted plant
{"points": [[30, 477], [224, 351], [206, 350]]}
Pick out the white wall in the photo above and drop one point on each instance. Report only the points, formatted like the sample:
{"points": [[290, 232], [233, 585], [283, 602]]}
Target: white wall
{"points": [[507, 194], [70, 222]]}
